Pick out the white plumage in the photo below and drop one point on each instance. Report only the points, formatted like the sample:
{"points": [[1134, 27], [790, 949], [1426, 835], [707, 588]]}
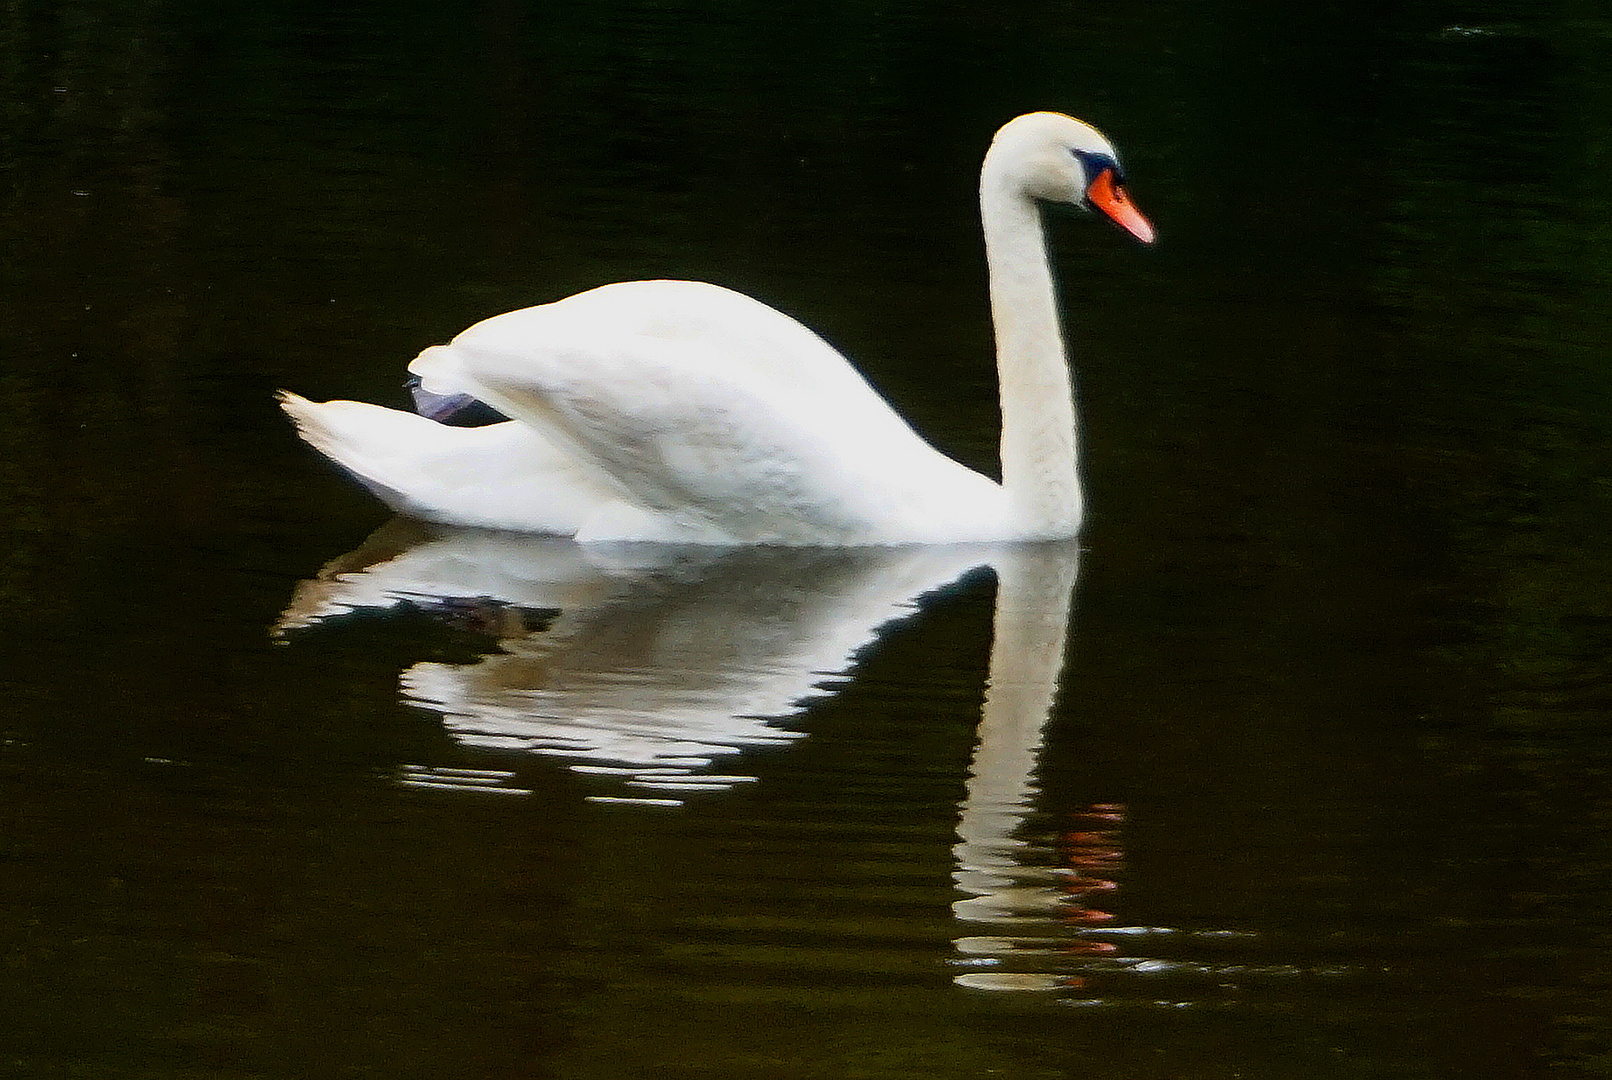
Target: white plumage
{"points": [[683, 412]]}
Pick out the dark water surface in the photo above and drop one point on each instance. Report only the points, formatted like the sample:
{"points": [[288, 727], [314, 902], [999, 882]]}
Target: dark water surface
{"points": [[1324, 791]]}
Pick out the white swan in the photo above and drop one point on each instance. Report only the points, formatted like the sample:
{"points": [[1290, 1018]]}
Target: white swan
{"points": [[677, 411]]}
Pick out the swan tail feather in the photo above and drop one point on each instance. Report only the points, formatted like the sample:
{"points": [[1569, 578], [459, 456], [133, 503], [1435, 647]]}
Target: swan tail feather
{"points": [[502, 476]]}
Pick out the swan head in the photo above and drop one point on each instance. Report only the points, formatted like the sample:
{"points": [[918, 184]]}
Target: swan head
{"points": [[1056, 158]]}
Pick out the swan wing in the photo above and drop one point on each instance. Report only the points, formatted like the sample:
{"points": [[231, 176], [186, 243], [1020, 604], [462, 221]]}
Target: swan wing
{"points": [[718, 418]]}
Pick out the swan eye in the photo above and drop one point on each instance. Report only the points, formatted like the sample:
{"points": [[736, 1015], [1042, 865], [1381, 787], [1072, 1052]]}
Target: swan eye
{"points": [[1094, 164]]}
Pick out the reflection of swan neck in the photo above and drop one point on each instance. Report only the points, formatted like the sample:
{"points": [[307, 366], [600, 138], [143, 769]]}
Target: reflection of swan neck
{"points": [[1038, 414], [1034, 594]]}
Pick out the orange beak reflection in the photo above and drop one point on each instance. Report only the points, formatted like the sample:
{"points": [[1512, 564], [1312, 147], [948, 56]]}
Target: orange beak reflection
{"points": [[1111, 199]]}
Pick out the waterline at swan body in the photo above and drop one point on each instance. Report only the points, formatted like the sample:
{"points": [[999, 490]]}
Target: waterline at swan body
{"points": [[677, 411]]}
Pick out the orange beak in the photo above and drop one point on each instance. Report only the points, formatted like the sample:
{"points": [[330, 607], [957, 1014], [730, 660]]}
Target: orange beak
{"points": [[1111, 199]]}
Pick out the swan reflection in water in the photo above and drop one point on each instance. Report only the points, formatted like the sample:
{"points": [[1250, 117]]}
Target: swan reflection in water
{"points": [[650, 662], [653, 665]]}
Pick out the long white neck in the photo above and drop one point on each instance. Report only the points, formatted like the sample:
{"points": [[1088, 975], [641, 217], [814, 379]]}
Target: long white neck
{"points": [[1040, 472]]}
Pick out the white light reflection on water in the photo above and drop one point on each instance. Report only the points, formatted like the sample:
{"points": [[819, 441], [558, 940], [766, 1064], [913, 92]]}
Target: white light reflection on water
{"points": [[442, 778]]}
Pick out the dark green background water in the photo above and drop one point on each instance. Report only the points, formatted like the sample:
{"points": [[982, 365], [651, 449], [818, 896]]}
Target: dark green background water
{"points": [[1342, 641]]}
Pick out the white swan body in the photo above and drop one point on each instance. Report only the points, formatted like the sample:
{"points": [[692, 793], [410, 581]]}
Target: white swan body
{"points": [[678, 411]]}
